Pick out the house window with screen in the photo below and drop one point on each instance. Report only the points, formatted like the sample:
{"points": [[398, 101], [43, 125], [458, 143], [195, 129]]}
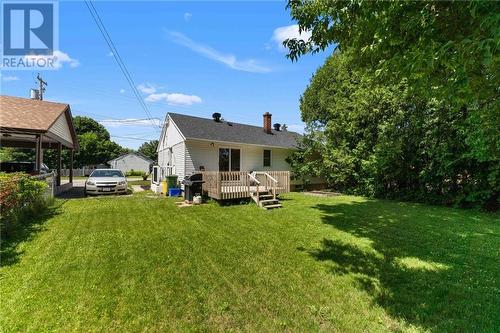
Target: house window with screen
{"points": [[267, 158]]}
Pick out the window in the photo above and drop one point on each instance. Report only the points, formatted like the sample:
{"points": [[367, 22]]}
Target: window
{"points": [[267, 158], [224, 159], [229, 159], [106, 173], [235, 160]]}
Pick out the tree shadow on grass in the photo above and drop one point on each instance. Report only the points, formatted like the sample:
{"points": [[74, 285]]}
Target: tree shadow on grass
{"points": [[24, 230], [432, 267]]}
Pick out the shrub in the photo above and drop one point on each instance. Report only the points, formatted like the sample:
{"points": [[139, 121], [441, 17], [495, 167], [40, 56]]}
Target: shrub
{"points": [[19, 193], [134, 173], [138, 173]]}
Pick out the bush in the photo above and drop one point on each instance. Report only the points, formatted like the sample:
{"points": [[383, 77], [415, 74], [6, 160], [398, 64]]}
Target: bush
{"points": [[19, 194], [142, 174]]}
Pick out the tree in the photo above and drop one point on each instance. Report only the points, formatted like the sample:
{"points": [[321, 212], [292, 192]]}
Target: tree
{"points": [[149, 149], [380, 139], [95, 145], [17, 154], [89, 125], [443, 48], [94, 151]]}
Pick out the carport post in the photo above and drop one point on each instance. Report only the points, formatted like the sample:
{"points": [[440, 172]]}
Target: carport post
{"points": [[39, 152], [58, 179], [71, 166]]}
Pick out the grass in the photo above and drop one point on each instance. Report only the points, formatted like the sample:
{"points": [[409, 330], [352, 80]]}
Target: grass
{"points": [[139, 182], [337, 264]]}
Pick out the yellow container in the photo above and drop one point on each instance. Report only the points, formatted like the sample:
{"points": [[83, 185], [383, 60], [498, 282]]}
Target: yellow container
{"points": [[164, 188]]}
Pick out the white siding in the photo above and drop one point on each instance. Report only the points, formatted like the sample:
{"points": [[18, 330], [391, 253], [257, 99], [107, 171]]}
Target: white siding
{"points": [[202, 153], [178, 159], [170, 135], [172, 139], [130, 162], [61, 128]]}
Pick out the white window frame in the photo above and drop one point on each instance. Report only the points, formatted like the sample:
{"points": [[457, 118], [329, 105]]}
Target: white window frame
{"points": [[230, 153]]}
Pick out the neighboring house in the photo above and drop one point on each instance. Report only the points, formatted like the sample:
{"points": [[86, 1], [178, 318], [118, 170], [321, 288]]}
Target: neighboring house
{"points": [[132, 161], [238, 160]]}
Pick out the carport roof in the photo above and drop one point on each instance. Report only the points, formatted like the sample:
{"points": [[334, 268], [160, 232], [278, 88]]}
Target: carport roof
{"points": [[25, 115], [30, 114]]}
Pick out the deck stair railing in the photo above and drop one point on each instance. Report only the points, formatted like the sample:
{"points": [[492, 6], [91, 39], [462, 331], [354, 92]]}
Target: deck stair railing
{"points": [[271, 184], [257, 184]]}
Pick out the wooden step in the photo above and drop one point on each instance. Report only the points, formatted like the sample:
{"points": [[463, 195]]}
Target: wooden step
{"points": [[268, 202], [272, 206], [262, 196]]}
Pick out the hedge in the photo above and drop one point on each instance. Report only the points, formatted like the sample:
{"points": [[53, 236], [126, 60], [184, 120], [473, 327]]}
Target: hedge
{"points": [[19, 192]]}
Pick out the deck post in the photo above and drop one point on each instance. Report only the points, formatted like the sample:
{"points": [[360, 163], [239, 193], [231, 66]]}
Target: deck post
{"points": [[219, 185], [39, 152]]}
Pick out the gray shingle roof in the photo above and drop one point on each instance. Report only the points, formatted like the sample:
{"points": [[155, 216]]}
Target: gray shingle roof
{"points": [[144, 157], [208, 129]]}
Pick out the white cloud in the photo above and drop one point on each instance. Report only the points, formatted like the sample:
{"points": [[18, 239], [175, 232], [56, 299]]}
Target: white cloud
{"points": [[64, 58], [174, 98], [9, 78], [60, 59], [299, 128], [130, 122], [146, 88], [248, 65], [122, 91], [289, 32], [187, 17]]}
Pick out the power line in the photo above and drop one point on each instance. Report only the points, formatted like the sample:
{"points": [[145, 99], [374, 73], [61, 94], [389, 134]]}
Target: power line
{"points": [[118, 58], [131, 138]]}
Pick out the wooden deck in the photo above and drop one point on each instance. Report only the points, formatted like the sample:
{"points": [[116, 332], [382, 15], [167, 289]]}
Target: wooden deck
{"points": [[224, 185]]}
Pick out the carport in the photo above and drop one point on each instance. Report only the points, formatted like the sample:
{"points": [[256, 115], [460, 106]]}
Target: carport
{"points": [[40, 125]]}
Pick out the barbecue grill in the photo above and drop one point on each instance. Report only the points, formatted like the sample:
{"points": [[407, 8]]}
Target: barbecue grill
{"points": [[192, 186]]}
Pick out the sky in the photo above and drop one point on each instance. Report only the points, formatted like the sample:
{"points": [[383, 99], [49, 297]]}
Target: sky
{"points": [[194, 58]]}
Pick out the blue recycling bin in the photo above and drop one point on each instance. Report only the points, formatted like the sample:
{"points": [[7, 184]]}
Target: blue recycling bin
{"points": [[174, 192]]}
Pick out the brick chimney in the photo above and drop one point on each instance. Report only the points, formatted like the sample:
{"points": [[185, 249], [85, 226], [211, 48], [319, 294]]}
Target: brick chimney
{"points": [[267, 123]]}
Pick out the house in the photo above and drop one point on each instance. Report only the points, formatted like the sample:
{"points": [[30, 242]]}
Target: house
{"points": [[132, 162], [228, 154], [39, 125]]}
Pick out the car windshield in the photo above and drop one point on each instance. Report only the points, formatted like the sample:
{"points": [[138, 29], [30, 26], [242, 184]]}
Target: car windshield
{"points": [[106, 173]]}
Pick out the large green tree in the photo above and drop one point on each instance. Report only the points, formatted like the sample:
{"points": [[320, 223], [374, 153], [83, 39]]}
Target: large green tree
{"points": [[95, 145], [380, 139], [445, 48], [408, 106], [89, 125], [149, 149]]}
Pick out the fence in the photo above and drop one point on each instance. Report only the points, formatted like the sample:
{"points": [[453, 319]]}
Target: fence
{"points": [[81, 172], [50, 179]]}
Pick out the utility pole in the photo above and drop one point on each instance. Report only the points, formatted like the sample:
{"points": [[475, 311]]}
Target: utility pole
{"points": [[41, 84]]}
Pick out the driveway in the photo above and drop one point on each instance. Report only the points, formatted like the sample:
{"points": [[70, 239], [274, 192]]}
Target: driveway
{"points": [[79, 185]]}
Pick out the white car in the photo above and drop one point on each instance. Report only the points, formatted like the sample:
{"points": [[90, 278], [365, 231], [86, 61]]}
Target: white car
{"points": [[106, 181]]}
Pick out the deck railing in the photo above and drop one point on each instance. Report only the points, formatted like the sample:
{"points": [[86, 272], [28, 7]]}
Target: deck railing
{"points": [[222, 185]]}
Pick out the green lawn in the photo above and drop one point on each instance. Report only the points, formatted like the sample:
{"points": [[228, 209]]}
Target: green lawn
{"points": [[139, 182], [339, 264]]}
